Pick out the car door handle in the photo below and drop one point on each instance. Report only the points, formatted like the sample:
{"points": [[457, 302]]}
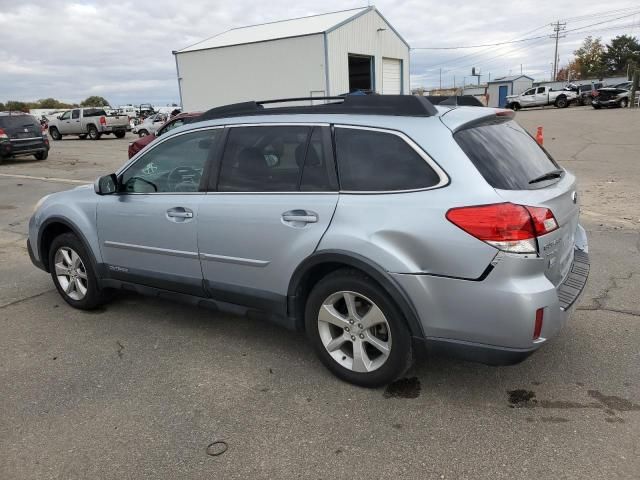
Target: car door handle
{"points": [[179, 212], [303, 216]]}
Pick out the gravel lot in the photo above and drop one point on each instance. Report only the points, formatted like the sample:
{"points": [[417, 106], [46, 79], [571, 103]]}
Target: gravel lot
{"points": [[140, 388]]}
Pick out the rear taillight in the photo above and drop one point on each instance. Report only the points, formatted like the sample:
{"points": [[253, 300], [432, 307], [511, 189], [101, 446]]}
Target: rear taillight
{"points": [[537, 327], [506, 226], [3, 134], [103, 121]]}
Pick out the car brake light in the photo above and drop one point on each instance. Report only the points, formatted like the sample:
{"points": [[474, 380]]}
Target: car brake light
{"points": [[103, 121], [506, 226], [537, 328], [3, 134]]}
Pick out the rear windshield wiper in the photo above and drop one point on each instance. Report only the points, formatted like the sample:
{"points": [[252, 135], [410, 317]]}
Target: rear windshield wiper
{"points": [[547, 176]]}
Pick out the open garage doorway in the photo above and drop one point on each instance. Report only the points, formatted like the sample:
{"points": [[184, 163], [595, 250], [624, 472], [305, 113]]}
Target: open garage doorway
{"points": [[360, 73]]}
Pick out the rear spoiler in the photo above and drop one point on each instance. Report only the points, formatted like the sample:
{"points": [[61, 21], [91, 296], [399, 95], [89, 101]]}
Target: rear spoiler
{"points": [[458, 119]]}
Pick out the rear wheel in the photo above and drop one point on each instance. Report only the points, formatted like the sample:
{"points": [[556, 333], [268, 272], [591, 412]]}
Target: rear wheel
{"points": [[55, 133], [73, 274], [356, 329], [561, 102], [93, 133], [120, 134], [42, 155]]}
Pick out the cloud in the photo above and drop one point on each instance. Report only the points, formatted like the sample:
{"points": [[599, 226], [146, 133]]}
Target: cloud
{"points": [[122, 49]]}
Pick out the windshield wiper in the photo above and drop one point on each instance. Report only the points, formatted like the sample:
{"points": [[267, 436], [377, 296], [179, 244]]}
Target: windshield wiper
{"points": [[547, 176]]}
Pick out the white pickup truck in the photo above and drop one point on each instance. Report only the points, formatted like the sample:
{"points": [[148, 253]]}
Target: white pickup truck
{"points": [[91, 122], [540, 97]]}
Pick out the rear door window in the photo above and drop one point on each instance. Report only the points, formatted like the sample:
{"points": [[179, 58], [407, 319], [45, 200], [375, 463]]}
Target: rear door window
{"points": [[372, 160], [505, 154], [263, 159]]}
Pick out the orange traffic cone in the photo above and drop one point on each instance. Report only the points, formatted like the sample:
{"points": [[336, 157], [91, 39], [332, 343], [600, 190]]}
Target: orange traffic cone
{"points": [[540, 136]]}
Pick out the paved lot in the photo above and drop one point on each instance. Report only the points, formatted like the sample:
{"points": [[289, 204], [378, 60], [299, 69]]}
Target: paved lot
{"points": [[140, 388]]}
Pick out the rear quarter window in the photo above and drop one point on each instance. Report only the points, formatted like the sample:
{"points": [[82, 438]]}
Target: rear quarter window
{"points": [[371, 160], [505, 154]]}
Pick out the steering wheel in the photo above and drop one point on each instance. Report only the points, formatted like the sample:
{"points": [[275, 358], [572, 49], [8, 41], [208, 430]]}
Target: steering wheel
{"points": [[184, 179]]}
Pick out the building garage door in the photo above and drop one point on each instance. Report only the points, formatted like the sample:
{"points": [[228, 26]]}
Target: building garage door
{"points": [[391, 76]]}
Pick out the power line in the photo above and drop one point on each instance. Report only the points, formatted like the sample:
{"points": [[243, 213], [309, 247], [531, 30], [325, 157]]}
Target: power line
{"points": [[557, 28]]}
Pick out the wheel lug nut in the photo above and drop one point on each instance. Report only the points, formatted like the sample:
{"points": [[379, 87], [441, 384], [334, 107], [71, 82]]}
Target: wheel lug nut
{"points": [[351, 322], [353, 338], [359, 325], [361, 335], [346, 329]]}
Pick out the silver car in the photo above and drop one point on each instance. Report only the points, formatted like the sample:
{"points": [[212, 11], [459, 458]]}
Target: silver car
{"points": [[380, 225]]}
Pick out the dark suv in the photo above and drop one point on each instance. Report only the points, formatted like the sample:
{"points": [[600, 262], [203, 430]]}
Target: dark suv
{"points": [[21, 134]]}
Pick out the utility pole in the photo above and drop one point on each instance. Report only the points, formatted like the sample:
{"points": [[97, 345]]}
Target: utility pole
{"points": [[557, 28], [441, 78]]}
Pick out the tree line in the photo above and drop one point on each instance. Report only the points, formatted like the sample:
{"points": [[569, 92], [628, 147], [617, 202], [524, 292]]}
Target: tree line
{"points": [[52, 103], [595, 60]]}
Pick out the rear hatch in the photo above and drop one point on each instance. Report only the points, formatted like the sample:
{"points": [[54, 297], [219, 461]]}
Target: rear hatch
{"points": [[20, 127], [605, 94], [513, 163]]}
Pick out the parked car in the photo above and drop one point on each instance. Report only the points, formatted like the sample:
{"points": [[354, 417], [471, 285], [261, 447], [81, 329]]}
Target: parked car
{"points": [[91, 122], [586, 93], [150, 124], [541, 96], [616, 96], [445, 228], [175, 122], [21, 135]]}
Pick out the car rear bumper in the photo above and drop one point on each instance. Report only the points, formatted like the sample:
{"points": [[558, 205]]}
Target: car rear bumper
{"points": [[493, 320], [15, 148], [606, 103]]}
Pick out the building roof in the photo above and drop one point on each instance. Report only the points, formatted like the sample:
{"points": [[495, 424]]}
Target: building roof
{"points": [[295, 27], [511, 78]]}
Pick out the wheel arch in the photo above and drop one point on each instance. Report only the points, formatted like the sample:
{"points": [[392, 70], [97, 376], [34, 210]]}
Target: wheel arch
{"points": [[52, 228], [319, 264]]}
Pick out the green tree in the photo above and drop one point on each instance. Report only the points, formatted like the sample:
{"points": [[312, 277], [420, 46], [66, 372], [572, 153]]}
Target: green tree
{"points": [[17, 106], [2, 107], [94, 101], [620, 52], [590, 57], [49, 103]]}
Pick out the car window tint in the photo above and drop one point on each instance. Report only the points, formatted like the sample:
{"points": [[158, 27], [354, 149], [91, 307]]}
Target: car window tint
{"points": [[66, 115], [319, 172], [378, 161], [75, 114], [263, 159], [173, 166], [530, 92], [505, 154], [540, 89]]}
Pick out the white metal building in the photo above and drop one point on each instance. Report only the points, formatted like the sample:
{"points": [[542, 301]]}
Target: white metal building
{"points": [[320, 55], [498, 89]]}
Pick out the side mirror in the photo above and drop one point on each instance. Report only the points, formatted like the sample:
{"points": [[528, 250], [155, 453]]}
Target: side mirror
{"points": [[106, 185]]}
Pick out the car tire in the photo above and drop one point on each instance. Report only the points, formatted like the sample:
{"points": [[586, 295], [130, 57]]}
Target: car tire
{"points": [[93, 133], [514, 106], [120, 134], [83, 136], [597, 107], [561, 102], [73, 273], [55, 133], [624, 103], [142, 133], [42, 155], [369, 356]]}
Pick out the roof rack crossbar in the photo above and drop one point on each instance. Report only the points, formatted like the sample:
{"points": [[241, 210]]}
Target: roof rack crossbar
{"points": [[393, 105]]}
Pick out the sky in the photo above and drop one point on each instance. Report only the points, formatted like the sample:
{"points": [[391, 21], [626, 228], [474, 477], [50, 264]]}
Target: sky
{"points": [[121, 50]]}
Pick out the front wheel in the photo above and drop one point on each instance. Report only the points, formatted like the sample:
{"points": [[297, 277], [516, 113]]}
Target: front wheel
{"points": [[93, 133], [73, 273], [357, 330], [597, 107], [142, 133], [624, 103], [42, 155], [55, 133]]}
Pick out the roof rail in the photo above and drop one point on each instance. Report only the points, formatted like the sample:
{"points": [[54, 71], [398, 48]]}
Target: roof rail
{"points": [[395, 105]]}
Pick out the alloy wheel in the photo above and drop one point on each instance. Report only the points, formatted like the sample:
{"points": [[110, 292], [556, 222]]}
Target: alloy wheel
{"points": [[71, 273], [354, 331]]}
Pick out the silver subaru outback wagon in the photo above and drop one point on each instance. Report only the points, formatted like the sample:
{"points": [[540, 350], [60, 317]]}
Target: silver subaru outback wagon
{"points": [[380, 225]]}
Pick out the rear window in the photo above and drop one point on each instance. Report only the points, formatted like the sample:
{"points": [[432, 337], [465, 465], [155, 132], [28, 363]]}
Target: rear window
{"points": [[13, 121], [94, 112], [505, 154]]}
